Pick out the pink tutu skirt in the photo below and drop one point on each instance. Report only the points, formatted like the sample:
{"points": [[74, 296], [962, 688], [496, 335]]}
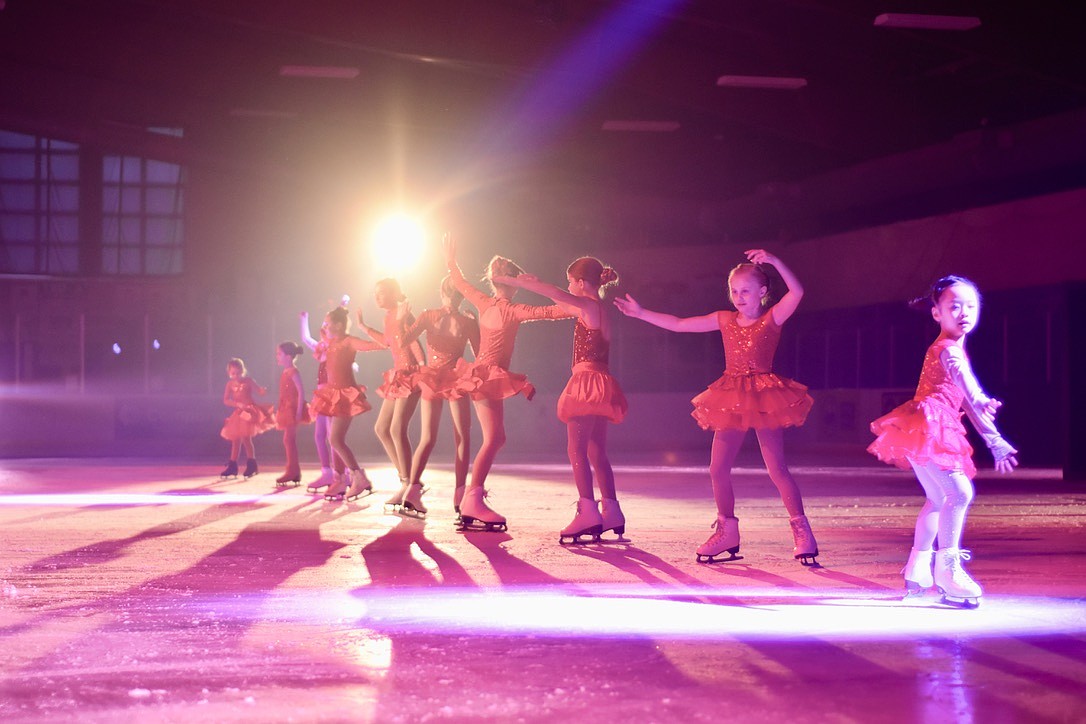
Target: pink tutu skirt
{"points": [[490, 382], [438, 383], [592, 390], [248, 421], [923, 432], [339, 402], [398, 383], [760, 400]]}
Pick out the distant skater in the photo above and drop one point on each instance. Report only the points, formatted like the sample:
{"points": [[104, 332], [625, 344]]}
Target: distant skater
{"points": [[246, 421], [291, 412]]}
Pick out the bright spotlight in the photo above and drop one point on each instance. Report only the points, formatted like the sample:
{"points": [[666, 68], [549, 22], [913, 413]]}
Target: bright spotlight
{"points": [[397, 244]]}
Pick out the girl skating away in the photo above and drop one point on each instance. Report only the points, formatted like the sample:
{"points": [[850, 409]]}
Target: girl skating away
{"points": [[291, 412], [246, 421], [488, 381], [926, 435], [747, 396], [591, 399]]}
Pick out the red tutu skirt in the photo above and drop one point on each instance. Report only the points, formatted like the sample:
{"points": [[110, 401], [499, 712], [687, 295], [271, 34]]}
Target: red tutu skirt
{"points": [[286, 416], [438, 383], [592, 390], [923, 432], [490, 382], [760, 400], [398, 383], [339, 402], [248, 421]]}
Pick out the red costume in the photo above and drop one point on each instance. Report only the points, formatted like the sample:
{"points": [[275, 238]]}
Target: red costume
{"points": [[341, 397], [398, 382], [287, 413], [448, 332], [748, 394], [248, 418], [591, 389], [489, 376]]}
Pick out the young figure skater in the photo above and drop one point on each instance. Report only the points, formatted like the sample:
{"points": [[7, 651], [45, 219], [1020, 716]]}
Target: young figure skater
{"points": [[292, 411], [341, 400], [322, 432], [247, 420], [398, 391], [591, 398], [748, 395], [488, 380], [926, 435], [448, 332]]}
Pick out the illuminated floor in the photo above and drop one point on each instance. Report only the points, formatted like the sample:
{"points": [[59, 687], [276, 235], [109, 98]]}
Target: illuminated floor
{"points": [[156, 592]]}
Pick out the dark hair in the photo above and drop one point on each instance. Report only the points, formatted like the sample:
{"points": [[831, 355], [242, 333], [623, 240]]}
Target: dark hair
{"points": [[339, 315], [290, 348], [760, 274], [935, 293], [591, 270], [391, 286]]}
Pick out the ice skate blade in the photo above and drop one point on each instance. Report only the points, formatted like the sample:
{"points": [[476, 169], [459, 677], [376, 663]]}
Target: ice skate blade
{"points": [[408, 510], [731, 553], [808, 560], [391, 508], [364, 493], [228, 477], [591, 533], [965, 602], [315, 487], [467, 523]]}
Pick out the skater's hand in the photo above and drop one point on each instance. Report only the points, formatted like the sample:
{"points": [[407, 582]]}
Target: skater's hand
{"points": [[761, 256], [304, 316], [988, 412], [1007, 463], [629, 306]]}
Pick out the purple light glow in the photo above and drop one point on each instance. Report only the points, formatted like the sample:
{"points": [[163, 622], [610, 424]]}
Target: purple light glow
{"points": [[129, 499]]}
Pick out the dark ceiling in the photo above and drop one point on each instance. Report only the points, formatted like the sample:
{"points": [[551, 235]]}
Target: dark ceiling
{"points": [[531, 83]]}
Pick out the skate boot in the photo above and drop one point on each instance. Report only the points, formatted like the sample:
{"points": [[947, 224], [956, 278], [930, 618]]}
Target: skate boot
{"points": [[613, 519], [289, 479], [588, 523], [231, 470], [250, 468], [322, 482], [360, 485], [393, 504], [806, 548], [412, 502], [917, 572], [958, 587], [338, 486], [475, 514], [725, 539]]}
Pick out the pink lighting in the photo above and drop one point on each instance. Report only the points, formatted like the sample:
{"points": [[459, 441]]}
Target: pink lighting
{"points": [[333, 72], [927, 22]]}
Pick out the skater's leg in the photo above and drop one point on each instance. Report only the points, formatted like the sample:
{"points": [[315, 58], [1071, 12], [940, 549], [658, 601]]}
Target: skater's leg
{"points": [[957, 497], [461, 417], [247, 447], [290, 447], [927, 521], [340, 425], [383, 428], [235, 449], [578, 431], [725, 449], [491, 414], [402, 411], [771, 442], [597, 455], [430, 417], [320, 437]]}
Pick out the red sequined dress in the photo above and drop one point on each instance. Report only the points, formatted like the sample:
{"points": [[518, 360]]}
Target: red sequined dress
{"points": [[286, 415], [400, 381], [748, 394], [342, 396], [591, 389], [248, 418], [448, 332]]}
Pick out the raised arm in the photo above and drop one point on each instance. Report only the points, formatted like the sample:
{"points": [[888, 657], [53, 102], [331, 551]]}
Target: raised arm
{"points": [[364, 345], [571, 303], [373, 333], [979, 407], [307, 338], [784, 308], [705, 323]]}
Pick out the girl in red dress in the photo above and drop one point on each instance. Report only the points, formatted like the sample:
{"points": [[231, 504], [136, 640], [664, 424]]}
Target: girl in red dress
{"points": [[342, 399], [291, 412], [487, 380], [448, 332], [322, 427], [246, 421], [926, 435], [748, 395], [591, 398]]}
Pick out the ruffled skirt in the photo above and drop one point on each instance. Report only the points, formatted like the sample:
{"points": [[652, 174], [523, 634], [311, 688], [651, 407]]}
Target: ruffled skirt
{"points": [[923, 432], [438, 383], [761, 400], [490, 382], [339, 401], [286, 416], [247, 422], [398, 383], [592, 390]]}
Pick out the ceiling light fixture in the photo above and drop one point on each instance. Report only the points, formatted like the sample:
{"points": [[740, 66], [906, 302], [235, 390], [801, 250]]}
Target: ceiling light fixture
{"points": [[927, 22], [335, 72], [761, 81], [642, 126]]}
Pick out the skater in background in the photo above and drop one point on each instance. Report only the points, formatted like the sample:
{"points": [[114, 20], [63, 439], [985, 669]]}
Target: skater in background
{"points": [[342, 399], [448, 332], [322, 424], [398, 391], [926, 435], [246, 421], [748, 395], [488, 380], [291, 412], [591, 398]]}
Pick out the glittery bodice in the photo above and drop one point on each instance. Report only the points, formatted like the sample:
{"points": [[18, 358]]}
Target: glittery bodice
{"points": [[748, 350], [240, 391], [589, 345], [447, 334], [936, 383], [338, 359], [288, 391]]}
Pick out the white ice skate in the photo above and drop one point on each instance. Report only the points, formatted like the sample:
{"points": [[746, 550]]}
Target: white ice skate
{"points": [[806, 547], [917, 572], [393, 504], [338, 486], [322, 482], [613, 519], [411, 505], [475, 514], [725, 539], [588, 523], [958, 587], [360, 485]]}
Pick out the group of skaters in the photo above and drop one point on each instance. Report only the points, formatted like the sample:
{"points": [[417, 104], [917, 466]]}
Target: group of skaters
{"points": [[924, 435]]}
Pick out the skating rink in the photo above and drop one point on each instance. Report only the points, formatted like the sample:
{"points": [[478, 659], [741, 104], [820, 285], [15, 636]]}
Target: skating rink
{"points": [[151, 591]]}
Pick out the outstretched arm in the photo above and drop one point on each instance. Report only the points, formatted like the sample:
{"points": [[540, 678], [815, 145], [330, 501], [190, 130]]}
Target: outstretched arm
{"points": [[979, 408], [784, 308], [706, 323], [571, 303], [364, 345]]}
